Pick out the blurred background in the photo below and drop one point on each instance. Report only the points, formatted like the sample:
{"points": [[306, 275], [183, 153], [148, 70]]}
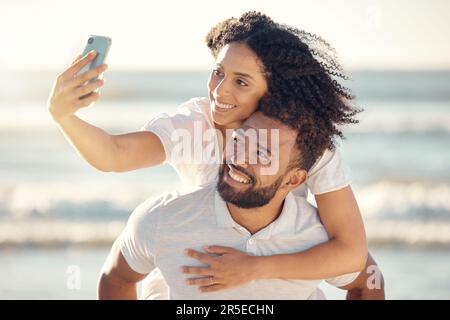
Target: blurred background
{"points": [[59, 216]]}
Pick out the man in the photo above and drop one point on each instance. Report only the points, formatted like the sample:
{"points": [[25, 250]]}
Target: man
{"points": [[247, 210]]}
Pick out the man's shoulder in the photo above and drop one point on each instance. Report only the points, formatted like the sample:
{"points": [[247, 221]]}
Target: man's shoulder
{"points": [[176, 202], [303, 205], [191, 197], [308, 219]]}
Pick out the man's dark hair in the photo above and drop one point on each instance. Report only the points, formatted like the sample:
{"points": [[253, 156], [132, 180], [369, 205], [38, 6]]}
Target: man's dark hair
{"points": [[301, 70]]}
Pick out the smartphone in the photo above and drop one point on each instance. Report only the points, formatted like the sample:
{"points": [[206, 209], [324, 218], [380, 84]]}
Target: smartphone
{"points": [[101, 46]]}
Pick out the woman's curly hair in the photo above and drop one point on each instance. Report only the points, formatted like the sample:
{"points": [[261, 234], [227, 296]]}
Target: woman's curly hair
{"points": [[301, 70]]}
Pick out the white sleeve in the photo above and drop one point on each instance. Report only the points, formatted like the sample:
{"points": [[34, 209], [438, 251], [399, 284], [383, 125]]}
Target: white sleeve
{"points": [[136, 242], [182, 121], [343, 280], [161, 126], [328, 173]]}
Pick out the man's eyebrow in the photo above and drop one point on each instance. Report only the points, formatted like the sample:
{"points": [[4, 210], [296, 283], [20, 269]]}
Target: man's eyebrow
{"points": [[238, 73]]}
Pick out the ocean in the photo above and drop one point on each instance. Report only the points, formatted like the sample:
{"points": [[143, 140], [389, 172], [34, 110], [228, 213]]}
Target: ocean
{"points": [[52, 203]]}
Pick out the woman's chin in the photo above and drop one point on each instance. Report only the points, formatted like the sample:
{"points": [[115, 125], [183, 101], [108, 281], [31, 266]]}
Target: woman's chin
{"points": [[220, 118], [226, 120]]}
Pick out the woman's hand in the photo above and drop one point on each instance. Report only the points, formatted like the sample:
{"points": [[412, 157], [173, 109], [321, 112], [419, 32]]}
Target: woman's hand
{"points": [[227, 268], [67, 89]]}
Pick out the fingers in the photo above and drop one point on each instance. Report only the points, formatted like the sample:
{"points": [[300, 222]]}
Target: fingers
{"points": [[205, 281], [76, 59], [77, 66], [88, 100], [202, 257], [82, 78], [219, 249], [211, 288], [207, 284], [202, 271], [88, 88]]}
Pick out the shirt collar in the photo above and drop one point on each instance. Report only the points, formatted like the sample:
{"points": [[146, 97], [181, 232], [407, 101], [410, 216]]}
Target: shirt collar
{"points": [[282, 226], [223, 216]]}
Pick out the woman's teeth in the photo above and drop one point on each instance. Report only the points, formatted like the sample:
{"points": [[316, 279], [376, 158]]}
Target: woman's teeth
{"points": [[225, 106], [237, 177]]}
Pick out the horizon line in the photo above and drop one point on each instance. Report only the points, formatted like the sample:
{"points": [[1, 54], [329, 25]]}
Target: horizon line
{"points": [[201, 70]]}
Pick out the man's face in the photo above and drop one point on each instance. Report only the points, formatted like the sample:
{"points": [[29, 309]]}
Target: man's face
{"points": [[243, 177]]}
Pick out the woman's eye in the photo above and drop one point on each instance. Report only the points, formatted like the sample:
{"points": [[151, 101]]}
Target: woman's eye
{"points": [[241, 83], [216, 72]]}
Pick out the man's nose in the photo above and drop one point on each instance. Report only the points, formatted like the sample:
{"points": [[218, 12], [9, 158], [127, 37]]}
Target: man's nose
{"points": [[240, 157]]}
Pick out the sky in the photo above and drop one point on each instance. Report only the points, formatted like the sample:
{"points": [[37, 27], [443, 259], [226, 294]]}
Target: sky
{"points": [[148, 35]]}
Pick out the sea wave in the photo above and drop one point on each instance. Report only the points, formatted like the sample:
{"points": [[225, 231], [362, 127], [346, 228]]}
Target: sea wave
{"points": [[56, 233], [83, 201], [405, 201], [394, 212], [397, 117], [409, 233], [379, 117], [382, 200], [46, 233]]}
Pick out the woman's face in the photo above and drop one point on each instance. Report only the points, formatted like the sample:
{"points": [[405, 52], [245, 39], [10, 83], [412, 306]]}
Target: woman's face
{"points": [[235, 85]]}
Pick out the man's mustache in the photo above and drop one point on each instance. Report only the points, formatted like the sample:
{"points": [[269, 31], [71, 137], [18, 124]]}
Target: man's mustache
{"points": [[242, 170]]}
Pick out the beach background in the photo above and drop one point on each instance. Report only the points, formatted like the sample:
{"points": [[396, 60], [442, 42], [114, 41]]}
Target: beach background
{"points": [[59, 216]]}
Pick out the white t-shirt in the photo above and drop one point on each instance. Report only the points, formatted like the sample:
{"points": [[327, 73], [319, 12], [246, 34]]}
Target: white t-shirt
{"points": [[159, 230], [193, 119]]}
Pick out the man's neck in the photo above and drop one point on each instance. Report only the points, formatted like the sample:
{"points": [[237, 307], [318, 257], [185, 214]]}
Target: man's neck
{"points": [[256, 219]]}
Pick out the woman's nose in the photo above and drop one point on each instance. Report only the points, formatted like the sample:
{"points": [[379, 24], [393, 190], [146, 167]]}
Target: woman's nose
{"points": [[222, 89]]}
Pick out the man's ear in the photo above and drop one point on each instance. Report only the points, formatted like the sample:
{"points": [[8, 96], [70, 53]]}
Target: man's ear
{"points": [[295, 178]]}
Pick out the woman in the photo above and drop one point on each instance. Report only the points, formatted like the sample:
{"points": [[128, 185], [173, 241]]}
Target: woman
{"points": [[256, 60]]}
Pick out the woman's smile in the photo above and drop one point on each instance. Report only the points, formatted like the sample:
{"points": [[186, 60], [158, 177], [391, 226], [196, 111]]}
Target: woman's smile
{"points": [[223, 107]]}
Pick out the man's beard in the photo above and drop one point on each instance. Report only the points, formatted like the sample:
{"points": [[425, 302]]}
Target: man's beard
{"points": [[249, 198]]}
